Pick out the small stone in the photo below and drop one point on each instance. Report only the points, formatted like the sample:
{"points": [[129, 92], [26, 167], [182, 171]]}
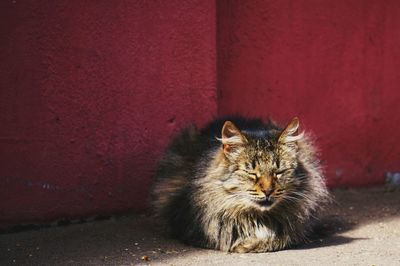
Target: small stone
{"points": [[145, 258]]}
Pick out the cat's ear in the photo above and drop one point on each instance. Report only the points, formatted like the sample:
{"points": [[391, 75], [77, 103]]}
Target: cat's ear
{"points": [[232, 139], [291, 132]]}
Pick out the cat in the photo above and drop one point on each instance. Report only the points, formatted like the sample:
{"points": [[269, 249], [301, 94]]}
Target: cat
{"points": [[240, 185]]}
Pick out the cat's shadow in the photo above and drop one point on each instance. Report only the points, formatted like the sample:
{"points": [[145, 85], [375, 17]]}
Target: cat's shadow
{"points": [[334, 240], [326, 232]]}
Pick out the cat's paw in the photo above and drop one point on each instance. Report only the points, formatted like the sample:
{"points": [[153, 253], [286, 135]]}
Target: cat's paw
{"points": [[245, 246]]}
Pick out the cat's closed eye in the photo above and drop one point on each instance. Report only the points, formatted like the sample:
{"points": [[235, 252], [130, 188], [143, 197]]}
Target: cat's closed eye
{"points": [[248, 174], [283, 171]]}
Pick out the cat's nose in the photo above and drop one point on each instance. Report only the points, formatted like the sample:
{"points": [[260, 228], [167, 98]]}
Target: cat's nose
{"points": [[266, 185], [267, 191]]}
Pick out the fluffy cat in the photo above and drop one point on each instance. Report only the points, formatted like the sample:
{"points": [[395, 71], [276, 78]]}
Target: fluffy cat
{"points": [[256, 188]]}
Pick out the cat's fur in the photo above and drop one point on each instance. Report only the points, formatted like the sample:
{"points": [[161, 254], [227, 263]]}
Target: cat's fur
{"points": [[255, 188]]}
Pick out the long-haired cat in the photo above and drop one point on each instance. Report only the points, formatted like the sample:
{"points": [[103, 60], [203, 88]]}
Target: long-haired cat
{"points": [[240, 185]]}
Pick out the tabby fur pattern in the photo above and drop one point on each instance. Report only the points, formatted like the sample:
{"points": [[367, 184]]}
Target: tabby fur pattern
{"points": [[240, 185]]}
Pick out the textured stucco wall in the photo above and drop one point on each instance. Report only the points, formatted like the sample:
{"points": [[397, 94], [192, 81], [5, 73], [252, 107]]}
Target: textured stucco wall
{"points": [[335, 64], [90, 92]]}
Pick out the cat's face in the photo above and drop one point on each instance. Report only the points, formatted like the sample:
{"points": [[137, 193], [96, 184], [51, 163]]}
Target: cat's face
{"points": [[262, 171]]}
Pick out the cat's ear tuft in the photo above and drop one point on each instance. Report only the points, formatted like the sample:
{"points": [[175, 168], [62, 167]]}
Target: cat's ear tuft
{"points": [[231, 137], [291, 132]]}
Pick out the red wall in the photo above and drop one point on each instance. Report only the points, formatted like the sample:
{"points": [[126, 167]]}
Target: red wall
{"points": [[90, 92], [335, 64]]}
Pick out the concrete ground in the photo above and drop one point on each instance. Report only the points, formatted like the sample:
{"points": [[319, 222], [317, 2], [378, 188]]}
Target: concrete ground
{"points": [[362, 228]]}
